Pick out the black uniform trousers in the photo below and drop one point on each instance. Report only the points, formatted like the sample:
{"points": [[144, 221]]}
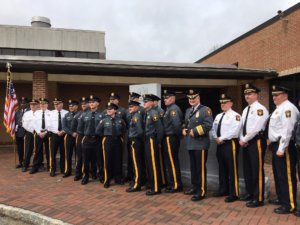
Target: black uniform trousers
{"points": [[91, 153], [112, 156], [254, 175], [227, 155], [153, 163], [79, 168], [20, 148], [55, 143], [136, 153], [171, 144], [29, 145], [130, 168], [198, 160], [70, 146], [40, 145], [284, 170]]}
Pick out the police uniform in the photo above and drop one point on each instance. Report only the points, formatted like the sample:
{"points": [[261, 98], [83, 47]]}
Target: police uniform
{"points": [[41, 126], [136, 144], [20, 131], [198, 120], [78, 128], [254, 118], [111, 129], [282, 122], [153, 137], [69, 140], [57, 141], [28, 122], [172, 122], [91, 142], [226, 129]]}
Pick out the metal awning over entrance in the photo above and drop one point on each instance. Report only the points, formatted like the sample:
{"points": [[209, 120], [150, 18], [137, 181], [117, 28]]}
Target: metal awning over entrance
{"points": [[97, 67]]}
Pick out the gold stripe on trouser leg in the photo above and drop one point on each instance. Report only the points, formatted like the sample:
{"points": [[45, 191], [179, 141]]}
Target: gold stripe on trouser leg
{"points": [[172, 163], [236, 180], [50, 152], [24, 142], [104, 158], [290, 185], [203, 173], [66, 154], [76, 142], [82, 167], [161, 166], [135, 166], [260, 176], [153, 165]]}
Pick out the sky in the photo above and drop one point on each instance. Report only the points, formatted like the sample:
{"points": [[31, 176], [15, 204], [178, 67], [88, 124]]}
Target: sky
{"points": [[151, 30]]}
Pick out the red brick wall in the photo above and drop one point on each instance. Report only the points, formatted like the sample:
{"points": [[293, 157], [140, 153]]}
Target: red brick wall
{"points": [[276, 46], [39, 85]]}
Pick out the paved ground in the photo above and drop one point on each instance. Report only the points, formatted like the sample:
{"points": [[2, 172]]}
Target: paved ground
{"points": [[10, 221], [74, 203]]}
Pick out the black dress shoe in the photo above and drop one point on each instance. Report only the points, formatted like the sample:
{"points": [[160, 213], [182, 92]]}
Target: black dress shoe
{"points": [[52, 174], [152, 192], [101, 180], [19, 166], [132, 189], [274, 201], [32, 171], [297, 213], [220, 194], [66, 175], [84, 181], [246, 198], [190, 192], [254, 204], [197, 198], [106, 185], [231, 199], [24, 169], [283, 210], [76, 178], [172, 190]]}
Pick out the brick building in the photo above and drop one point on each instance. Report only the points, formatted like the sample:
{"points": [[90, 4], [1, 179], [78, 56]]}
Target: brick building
{"points": [[274, 44]]}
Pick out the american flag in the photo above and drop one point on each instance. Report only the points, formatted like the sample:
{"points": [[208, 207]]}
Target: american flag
{"points": [[11, 105]]}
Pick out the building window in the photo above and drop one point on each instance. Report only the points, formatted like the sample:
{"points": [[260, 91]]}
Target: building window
{"points": [[33, 52]]}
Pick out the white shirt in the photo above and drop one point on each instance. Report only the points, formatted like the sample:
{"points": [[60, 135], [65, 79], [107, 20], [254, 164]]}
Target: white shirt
{"points": [[54, 120], [38, 120], [282, 123], [256, 122], [230, 126], [28, 121]]}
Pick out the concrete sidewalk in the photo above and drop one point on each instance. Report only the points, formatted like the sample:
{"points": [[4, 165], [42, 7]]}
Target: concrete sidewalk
{"points": [[67, 200]]}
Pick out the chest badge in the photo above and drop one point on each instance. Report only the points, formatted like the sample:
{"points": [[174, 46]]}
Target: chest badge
{"points": [[197, 114], [173, 113]]}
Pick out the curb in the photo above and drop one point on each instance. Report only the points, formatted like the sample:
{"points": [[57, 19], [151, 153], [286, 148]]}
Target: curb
{"points": [[28, 216]]}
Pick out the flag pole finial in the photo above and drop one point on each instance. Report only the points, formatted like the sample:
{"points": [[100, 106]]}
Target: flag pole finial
{"points": [[8, 66]]}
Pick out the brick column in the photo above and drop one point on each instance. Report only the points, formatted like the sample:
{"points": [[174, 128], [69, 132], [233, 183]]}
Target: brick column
{"points": [[264, 97], [39, 85]]}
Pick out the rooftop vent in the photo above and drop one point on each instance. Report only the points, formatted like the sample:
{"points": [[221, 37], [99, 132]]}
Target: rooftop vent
{"points": [[40, 21]]}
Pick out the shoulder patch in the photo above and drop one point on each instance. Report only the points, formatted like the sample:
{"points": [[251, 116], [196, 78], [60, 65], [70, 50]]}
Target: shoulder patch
{"points": [[135, 119], [173, 112], [288, 113], [260, 112], [208, 111], [238, 118]]}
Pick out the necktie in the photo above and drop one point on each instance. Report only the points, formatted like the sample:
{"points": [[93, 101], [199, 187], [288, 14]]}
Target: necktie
{"points": [[192, 111], [59, 122], [43, 121], [92, 127], [245, 124], [219, 126]]}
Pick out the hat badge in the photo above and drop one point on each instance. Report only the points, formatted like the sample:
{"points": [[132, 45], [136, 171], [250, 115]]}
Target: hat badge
{"points": [[42, 99], [247, 86], [23, 98], [274, 87], [91, 96], [223, 96], [112, 94], [191, 91], [83, 98], [55, 99], [165, 91], [70, 101]]}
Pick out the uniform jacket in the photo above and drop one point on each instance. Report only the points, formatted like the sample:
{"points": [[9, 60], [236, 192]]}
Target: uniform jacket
{"points": [[20, 131], [110, 126], [38, 120], [89, 129], [54, 120], [77, 122], [136, 126], [200, 121], [153, 124], [172, 120], [29, 120], [67, 122]]}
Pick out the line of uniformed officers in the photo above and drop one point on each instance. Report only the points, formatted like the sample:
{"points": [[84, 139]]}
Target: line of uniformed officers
{"points": [[153, 139]]}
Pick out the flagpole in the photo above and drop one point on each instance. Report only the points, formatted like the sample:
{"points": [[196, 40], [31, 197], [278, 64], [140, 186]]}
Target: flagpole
{"points": [[9, 78]]}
